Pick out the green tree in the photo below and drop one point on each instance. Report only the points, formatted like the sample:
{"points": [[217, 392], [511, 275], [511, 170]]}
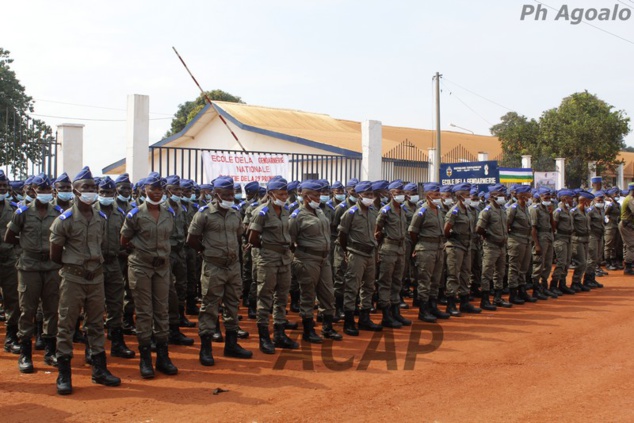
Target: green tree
{"points": [[22, 138], [518, 136], [188, 110], [584, 129]]}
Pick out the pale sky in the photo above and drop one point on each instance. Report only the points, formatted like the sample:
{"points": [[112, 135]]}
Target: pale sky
{"points": [[352, 59]]}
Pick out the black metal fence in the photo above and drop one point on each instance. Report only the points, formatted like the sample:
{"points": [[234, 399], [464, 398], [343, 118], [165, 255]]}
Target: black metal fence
{"points": [[405, 162]]}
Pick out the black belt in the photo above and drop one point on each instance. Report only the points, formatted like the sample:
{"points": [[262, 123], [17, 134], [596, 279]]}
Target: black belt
{"points": [[82, 272], [519, 234], [317, 253], [454, 235], [43, 256], [282, 249], [544, 230], [362, 247], [153, 260], [220, 261]]}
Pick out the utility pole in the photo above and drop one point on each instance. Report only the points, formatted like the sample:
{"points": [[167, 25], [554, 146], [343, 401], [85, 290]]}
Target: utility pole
{"points": [[438, 142]]}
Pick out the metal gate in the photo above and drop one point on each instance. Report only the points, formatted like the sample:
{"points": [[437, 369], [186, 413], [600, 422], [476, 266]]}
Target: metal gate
{"points": [[405, 162]]}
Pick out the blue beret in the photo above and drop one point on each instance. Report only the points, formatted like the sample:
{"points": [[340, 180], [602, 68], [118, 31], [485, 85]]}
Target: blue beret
{"points": [[352, 182], [599, 194], [363, 186], [481, 194], [461, 187], [122, 179], [153, 179], [337, 185], [565, 193], [314, 185], [28, 181], [41, 181], [613, 191], [187, 184], [291, 186], [380, 185], [106, 183], [237, 187], [398, 184], [85, 173], [586, 194], [630, 186], [432, 187], [223, 182], [97, 179], [410, 187], [514, 187], [523, 189], [261, 190], [497, 187], [487, 196], [596, 180], [624, 193], [543, 191], [252, 187], [16, 185], [206, 186], [277, 183], [446, 188], [325, 183], [63, 178], [474, 191], [173, 180]]}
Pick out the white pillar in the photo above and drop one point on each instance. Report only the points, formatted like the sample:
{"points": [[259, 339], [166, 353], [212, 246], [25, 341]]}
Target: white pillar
{"points": [[482, 156], [137, 136], [432, 169], [620, 177], [526, 162], [560, 164], [592, 172], [372, 150], [70, 150]]}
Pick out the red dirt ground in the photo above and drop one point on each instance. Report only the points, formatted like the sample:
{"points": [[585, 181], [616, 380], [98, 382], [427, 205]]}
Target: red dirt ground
{"points": [[564, 360]]}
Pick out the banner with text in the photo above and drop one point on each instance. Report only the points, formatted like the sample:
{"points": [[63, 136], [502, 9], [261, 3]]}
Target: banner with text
{"points": [[481, 174], [547, 179], [245, 167]]}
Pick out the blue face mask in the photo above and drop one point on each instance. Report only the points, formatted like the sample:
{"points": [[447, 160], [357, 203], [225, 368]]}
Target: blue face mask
{"points": [[353, 198], [324, 198], [193, 197], [164, 198], [65, 196], [105, 201], [29, 199], [207, 197], [238, 196], [175, 198], [19, 197], [340, 197], [142, 198], [45, 198], [122, 198], [300, 198], [2, 197]]}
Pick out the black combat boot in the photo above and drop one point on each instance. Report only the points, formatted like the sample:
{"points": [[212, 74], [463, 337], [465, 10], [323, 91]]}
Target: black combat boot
{"points": [[205, 355], [39, 341], [266, 346], [191, 307], [596, 283], [339, 313], [451, 307], [100, 372], [485, 302], [295, 301], [564, 289], [176, 337], [612, 265], [309, 331], [514, 297], [365, 323], [349, 325], [281, 340], [396, 314], [424, 313], [50, 351], [499, 301], [242, 334], [327, 331], [467, 307], [118, 348], [554, 287], [252, 310], [575, 286], [11, 342], [163, 362], [290, 325], [435, 311], [629, 270], [233, 349], [145, 365], [25, 361], [64, 382], [388, 321], [183, 322], [547, 292], [525, 296], [585, 286], [537, 291], [128, 324], [588, 281]]}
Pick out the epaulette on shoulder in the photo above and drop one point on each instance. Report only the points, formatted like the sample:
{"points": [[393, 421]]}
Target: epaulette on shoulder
{"points": [[535, 206], [590, 209], [558, 210], [58, 209], [202, 209], [242, 203], [264, 211], [132, 212], [487, 208], [235, 207], [454, 211], [385, 209], [134, 205], [254, 204], [184, 208], [295, 213], [422, 211], [68, 213], [171, 210], [342, 205], [573, 209], [329, 204], [21, 209], [353, 209], [195, 205], [14, 205], [121, 210], [102, 214], [514, 206]]}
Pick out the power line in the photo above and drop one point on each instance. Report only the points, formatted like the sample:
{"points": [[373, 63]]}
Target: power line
{"points": [[94, 107], [588, 23], [89, 119], [478, 95], [469, 107]]}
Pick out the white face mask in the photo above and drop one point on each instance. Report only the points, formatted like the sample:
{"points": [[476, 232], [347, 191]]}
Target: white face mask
{"points": [[340, 197], [324, 198], [448, 201], [399, 198], [225, 204], [475, 203], [367, 201], [467, 201], [155, 203], [501, 200], [122, 198], [300, 198], [314, 204], [436, 201], [106, 201], [353, 198], [384, 199], [2, 197], [278, 202], [88, 197], [44, 198], [414, 198], [530, 201], [546, 203], [618, 199], [600, 205]]}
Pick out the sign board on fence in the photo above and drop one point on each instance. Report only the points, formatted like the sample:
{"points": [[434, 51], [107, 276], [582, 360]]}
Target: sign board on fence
{"points": [[245, 167], [546, 179], [481, 174]]}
